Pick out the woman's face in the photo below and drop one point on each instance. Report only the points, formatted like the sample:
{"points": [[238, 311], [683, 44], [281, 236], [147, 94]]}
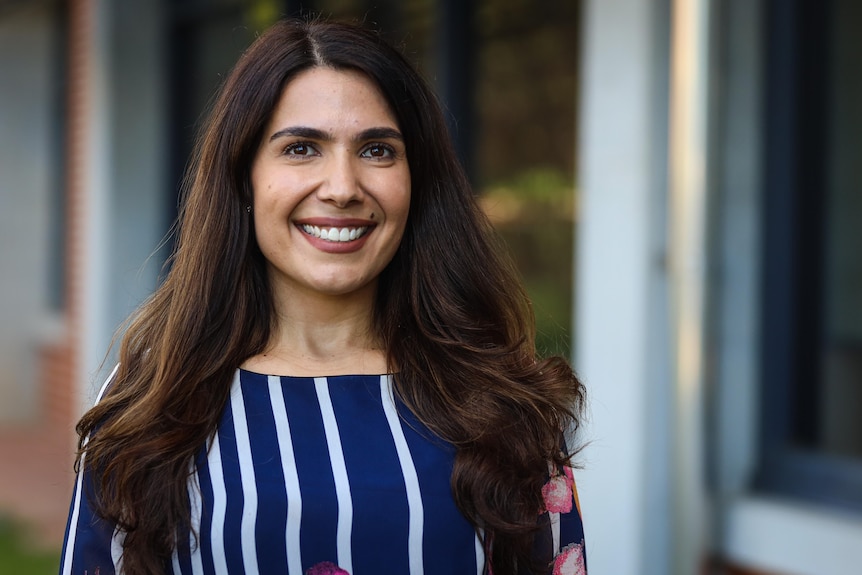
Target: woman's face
{"points": [[331, 185]]}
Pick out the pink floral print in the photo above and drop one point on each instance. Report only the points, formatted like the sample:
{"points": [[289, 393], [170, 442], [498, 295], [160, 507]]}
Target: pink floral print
{"points": [[557, 492], [570, 560], [326, 568]]}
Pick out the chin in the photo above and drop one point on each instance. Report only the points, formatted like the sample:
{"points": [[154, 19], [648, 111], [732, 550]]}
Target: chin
{"points": [[341, 288]]}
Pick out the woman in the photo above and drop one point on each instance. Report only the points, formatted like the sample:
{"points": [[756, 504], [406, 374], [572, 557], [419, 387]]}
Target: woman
{"points": [[338, 374]]}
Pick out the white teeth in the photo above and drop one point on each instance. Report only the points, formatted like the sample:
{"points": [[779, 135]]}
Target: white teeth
{"points": [[335, 234]]}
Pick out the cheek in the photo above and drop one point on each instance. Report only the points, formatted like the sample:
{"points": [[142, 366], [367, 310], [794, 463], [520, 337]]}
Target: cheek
{"points": [[262, 193], [405, 209], [269, 232], [400, 199], [256, 181]]}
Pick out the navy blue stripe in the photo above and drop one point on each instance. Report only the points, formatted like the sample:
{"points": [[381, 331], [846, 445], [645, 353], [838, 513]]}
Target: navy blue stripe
{"points": [[448, 541], [571, 528], [316, 482], [183, 555], [271, 520], [376, 482], [235, 498], [69, 529], [92, 548]]}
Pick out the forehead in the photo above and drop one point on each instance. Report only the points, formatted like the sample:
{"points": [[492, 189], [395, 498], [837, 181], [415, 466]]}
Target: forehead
{"points": [[328, 98]]}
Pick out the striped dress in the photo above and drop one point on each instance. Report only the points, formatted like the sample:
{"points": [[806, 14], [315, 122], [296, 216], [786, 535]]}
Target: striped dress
{"points": [[320, 476]]}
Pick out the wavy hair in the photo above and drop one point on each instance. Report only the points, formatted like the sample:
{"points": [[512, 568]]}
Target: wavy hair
{"points": [[449, 307]]}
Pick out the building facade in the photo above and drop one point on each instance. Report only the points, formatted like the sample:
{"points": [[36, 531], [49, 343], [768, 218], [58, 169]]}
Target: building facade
{"points": [[718, 322]]}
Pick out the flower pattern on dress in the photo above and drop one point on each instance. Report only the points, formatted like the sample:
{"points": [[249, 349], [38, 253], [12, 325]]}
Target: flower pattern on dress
{"points": [[326, 568], [570, 561], [557, 492]]}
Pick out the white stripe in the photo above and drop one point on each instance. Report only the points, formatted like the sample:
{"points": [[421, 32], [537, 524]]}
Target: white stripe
{"points": [[117, 540], [76, 508], [411, 479], [555, 531], [196, 506], [219, 506], [107, 381], [118, 537], [291, 477], [246, 474], [480, 552], [73, 524], [339, 472]]}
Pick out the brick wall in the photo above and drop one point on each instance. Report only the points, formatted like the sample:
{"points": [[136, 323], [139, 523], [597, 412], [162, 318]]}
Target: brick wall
{"points": [[37, 477]]}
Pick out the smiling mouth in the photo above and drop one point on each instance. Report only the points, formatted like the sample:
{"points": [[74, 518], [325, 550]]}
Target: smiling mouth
{"points": [[335, 234]]}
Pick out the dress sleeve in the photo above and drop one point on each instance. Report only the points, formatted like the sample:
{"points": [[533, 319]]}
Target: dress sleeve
{"points": [[92, 546], [566, 536]]}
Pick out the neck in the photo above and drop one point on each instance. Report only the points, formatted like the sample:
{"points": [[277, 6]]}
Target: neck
{"points": [[316, 334]]}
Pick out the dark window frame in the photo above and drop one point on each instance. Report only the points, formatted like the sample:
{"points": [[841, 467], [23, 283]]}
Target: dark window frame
{"points": [[793, 247]]}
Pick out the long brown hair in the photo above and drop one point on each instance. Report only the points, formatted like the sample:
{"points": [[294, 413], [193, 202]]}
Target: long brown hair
{"points": [[450, 308]]}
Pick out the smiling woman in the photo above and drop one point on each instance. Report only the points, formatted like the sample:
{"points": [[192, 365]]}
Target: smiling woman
{"points": [[338, 374]]}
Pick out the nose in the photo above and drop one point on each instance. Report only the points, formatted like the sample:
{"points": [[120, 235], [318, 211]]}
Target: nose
{"points": [[341, 184]]}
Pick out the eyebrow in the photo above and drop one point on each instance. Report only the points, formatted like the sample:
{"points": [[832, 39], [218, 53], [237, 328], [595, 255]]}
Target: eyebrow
{"points": [[378, 133]]}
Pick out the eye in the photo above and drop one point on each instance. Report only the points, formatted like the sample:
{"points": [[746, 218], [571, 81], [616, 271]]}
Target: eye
{"points": [[303, 149], [378, 151]]}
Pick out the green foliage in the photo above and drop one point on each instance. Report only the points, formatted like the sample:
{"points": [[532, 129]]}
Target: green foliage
{"points": [[535, 214], [19, 558], [537, 190], [260, 14]]}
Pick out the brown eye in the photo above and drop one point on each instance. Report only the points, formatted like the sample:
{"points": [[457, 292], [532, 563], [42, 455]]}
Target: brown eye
{"points": [[378, 152], [299, 149]]}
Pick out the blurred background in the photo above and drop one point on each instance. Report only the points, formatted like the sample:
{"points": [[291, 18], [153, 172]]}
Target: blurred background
{"points": [[680, 183]]}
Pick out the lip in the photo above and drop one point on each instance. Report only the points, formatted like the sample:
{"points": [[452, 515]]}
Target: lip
{"points": [[336, 247]]}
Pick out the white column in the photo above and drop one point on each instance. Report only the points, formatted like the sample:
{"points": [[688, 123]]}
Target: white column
{"points": [[125, 196], [618, 145], [95, 203], [687, 169]]}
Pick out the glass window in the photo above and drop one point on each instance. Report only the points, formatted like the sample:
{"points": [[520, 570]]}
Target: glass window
{"points": [[207, 37], [839, 417], [812, 401]]}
